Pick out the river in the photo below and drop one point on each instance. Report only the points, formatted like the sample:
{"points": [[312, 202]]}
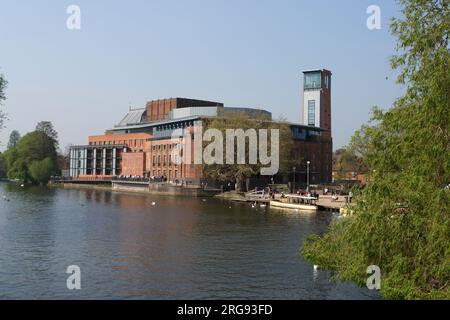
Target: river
{"points": [[179, 248]]}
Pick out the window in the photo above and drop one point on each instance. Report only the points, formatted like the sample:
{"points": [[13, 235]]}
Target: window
{"points": [[311, 112], [327, 79], [312, 80]]}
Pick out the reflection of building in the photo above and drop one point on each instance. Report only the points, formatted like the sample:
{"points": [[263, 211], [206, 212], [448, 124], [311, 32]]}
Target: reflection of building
{"points": [[141, 143]]}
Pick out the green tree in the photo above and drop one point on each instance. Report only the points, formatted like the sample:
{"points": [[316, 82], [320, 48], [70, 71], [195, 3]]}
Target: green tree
{"points": [[2, 166], [401, 220], [3, 84], [34, 146], [14, 138], [345, 160], [49, 130], [240, 172], [41, 171]]}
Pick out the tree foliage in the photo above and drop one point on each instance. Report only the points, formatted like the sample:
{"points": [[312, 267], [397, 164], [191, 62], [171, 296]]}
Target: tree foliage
{"points": [[240, 172], [3, 84], [47, 128], [401, 221], [346, 160], [14, 138], [32, 147], [41, 171], [2, 166]]}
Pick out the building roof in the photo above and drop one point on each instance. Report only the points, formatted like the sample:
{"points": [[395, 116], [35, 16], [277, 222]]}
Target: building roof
{"points": [[316, 70], [133, 117], [153, 123]]}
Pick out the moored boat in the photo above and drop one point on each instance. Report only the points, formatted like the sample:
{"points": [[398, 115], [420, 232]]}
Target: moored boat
{"points": [[292, 201]]}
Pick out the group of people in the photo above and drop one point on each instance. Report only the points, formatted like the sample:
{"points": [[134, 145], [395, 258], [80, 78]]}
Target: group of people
{"points": [[130, 178], [158, 179], [313, 194]]}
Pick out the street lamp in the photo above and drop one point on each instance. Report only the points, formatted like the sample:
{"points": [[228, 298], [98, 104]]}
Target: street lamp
{"points": [[307, 175], [293, 183]]}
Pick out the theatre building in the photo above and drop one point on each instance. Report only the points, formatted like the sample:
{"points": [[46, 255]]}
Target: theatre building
{"points": [[141, 144]]}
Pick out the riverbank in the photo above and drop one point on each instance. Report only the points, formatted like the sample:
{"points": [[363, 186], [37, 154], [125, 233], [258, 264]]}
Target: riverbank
{"points": [[325, 202], [164, 189]]}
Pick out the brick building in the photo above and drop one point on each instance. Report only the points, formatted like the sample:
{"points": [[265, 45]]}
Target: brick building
{"points": [[141, 144]]}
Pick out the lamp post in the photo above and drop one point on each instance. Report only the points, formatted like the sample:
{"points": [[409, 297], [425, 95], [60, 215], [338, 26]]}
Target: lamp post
{"points": [[307, 175], [293, 183]]}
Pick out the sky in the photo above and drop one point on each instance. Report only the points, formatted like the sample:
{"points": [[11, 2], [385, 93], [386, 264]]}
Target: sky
{"points": [[247, 53]]}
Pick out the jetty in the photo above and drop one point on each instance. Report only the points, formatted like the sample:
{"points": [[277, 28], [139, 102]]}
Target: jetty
{"points": [[324, 202]]}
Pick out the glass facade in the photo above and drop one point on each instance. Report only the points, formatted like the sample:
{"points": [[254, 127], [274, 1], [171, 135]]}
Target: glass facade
{"points": [[311, 112], [312, 80]]}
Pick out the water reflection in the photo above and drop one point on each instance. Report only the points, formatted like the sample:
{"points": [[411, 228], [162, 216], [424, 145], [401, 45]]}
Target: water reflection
{"points": [[178, 248]]}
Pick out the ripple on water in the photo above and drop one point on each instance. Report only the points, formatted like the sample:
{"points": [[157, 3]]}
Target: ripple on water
{"points": [[181, 248]]}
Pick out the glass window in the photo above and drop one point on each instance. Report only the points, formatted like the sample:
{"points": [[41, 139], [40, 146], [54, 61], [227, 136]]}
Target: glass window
{"points": [[327, 78], [311, 112], [312, 80]]}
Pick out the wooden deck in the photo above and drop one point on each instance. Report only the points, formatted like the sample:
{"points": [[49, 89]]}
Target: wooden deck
{"points": [[325, 202]]}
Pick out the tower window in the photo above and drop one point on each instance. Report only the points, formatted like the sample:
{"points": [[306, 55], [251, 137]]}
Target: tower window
{"points": [[311, 112], [312, 80]]}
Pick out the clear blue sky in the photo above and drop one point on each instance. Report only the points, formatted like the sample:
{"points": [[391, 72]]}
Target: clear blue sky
{"points": [[239, 52]]}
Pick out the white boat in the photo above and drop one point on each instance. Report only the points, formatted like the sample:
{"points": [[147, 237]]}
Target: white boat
{"points": [[293, 201]]}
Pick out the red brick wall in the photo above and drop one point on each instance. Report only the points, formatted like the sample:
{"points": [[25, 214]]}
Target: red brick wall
{"points": [[133, 163], [319, 153], [159, 109], [326, 104]]}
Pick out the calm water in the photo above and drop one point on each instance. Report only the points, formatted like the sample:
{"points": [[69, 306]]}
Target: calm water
{"points": [[180, 248]]}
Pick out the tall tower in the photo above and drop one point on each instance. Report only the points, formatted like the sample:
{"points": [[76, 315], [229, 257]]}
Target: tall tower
{"points": [[316, 109]]}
